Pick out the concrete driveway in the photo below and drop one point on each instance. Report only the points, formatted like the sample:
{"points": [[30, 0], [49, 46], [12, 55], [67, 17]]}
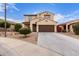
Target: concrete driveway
{"points": [[59, 43]]}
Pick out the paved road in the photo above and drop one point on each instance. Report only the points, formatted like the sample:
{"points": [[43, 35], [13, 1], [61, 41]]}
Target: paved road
{"points": [[59, 43], [14, 47]]}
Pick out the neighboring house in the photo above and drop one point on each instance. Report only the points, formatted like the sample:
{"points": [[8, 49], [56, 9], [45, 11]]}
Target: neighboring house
{"points": [[12, 25], [42, 22], [68, 25]]}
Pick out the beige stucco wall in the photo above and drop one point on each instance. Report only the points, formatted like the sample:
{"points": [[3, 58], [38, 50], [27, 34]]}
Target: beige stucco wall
{"points": [[75, 21], [46, 22], [34, 17], [33, 22], [26, 19], [23, 25], [12, 27], [42, 15], [71, 28], [70, 25]]}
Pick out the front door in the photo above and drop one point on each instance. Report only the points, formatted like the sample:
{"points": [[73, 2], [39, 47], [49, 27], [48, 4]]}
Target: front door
{"points": [[34, 27]]}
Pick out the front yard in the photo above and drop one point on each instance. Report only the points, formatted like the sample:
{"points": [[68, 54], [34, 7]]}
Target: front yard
{"points": [[71, 35], [32, 38]]}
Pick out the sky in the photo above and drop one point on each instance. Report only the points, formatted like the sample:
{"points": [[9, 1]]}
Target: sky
{"points": [[63, 11]]}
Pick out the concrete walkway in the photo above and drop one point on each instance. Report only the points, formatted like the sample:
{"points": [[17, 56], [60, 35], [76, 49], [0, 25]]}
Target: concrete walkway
{"points": [[14, 47], [59, 43]]}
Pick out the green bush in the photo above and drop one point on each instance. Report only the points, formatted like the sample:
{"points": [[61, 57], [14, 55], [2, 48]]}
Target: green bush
{"points": [[17, 27], [2, 24], [24, 31], [76, 29], [7, 25]]}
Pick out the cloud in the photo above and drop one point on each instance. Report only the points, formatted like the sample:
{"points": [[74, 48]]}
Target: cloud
{"points": [[1, 7], [36, 12], [41, 10], [59, 17], [67, 17], [10, 6], [13, 20], [72, 16]]}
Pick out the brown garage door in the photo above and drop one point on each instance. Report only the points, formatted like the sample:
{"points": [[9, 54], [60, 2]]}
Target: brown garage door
{"points": [[46, 28]]}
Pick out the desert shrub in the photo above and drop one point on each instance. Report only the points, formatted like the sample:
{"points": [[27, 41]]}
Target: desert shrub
{"points": [[24, 31], [17, 27], [76, 29]]}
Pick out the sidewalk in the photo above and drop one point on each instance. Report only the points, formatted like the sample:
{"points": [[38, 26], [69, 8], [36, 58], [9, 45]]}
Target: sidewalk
{"points": [[14, 47]]}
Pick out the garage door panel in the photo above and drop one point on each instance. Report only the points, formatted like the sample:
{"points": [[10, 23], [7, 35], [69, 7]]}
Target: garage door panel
{"points": [[46, 28]]}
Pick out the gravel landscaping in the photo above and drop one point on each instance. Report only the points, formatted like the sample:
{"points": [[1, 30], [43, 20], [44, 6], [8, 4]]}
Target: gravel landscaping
{"points": [[32, 38], [71, 35]]}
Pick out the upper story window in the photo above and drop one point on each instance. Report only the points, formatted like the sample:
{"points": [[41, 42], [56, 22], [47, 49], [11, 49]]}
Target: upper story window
{"points": [[30, 17], [46, 16]]}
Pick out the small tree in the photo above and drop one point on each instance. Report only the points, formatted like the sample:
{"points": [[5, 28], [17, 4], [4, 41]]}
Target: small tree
{"points": [[24, 31], [2, 24], [7, 25], [17, 27], [76, 29]]}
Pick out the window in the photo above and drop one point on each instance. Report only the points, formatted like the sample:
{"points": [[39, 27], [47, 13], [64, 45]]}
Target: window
{"points": [[47, 16], [30, 17]]}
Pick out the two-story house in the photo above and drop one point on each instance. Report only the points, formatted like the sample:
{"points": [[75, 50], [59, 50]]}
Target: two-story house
{"points": [[41, 22]]}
